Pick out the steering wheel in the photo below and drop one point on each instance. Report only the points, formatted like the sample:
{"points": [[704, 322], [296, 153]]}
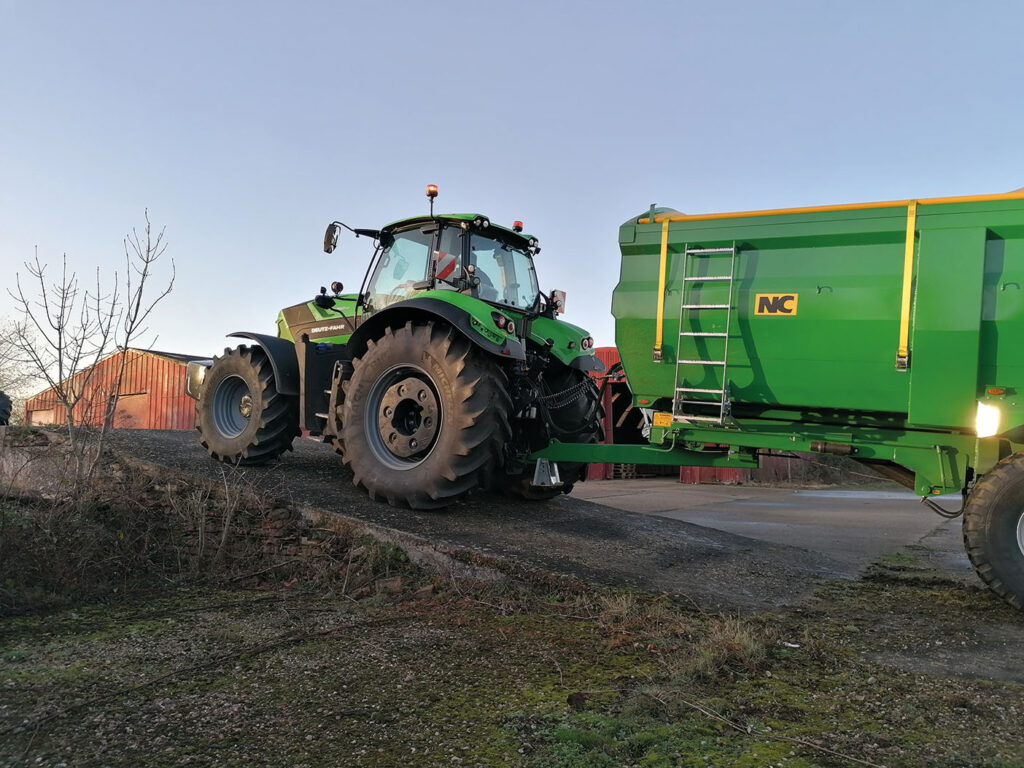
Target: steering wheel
{"points": [[486, 289], [399, 292]]}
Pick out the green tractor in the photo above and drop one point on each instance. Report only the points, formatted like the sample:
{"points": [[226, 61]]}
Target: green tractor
{"points": [[443, 374]]}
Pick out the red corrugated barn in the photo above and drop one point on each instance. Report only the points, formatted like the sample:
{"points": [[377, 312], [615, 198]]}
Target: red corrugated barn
{"points": [[152, 393]]}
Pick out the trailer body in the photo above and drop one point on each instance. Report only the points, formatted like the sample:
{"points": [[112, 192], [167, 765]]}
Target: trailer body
{"points": [[872, 330]]}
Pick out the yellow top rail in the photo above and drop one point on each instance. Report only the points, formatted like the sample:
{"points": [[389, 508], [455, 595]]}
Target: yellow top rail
{"points": [[1015, 195]]}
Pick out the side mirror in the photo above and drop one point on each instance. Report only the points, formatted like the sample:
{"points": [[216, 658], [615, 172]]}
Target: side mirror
{"points": [[331, 237], [558, 301]]}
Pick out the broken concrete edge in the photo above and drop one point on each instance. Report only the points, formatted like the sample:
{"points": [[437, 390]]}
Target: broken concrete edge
{"points": [[442, 558]]}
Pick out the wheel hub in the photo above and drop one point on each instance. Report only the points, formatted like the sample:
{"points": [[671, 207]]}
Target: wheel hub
{"points": [[407, 417], [232, 406]]}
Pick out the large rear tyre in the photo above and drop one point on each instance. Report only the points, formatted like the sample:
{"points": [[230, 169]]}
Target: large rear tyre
{"points": [[5, 409], [241, 417], [994, 529], [425, 417], [570, 404]]}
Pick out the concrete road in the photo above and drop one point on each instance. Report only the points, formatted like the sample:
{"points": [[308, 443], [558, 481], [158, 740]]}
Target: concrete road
{"points": [[852, 527]]}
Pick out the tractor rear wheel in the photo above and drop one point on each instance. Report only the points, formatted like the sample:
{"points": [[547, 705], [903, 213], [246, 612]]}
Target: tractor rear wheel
{"points": [[425, 417], [570, 404], [994, 529], [241, 417], [5, 409]]}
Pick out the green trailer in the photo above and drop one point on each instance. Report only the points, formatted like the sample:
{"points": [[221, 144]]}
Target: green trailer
{"points": [[889, 332]]}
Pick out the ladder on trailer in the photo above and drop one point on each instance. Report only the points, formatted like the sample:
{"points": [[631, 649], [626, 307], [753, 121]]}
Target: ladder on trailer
{"points": [[704, 336]]}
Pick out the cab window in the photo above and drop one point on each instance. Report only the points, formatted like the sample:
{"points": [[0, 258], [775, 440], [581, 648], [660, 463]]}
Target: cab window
{"points": [[403, 264], [506, 273], [448, 258]]}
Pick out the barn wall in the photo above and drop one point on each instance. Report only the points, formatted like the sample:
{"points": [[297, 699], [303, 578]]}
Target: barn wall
{"points": [[153, 394]]}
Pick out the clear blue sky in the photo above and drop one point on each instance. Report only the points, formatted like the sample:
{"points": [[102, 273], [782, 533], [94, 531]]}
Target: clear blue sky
{"points": [[246, 127]]}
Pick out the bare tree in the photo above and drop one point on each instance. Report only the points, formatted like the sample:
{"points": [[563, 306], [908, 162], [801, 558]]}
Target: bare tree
{"points": [[64, 329], [141, 253]]}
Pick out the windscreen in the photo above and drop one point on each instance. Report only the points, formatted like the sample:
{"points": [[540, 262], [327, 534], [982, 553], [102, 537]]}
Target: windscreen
{"points": [[401, 266]]}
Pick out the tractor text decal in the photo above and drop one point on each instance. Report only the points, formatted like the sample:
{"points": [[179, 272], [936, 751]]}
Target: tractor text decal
{"points": [[775, 303]]}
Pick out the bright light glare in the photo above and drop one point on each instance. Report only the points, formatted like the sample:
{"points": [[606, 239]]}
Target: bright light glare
{"points": [[988, 420]]}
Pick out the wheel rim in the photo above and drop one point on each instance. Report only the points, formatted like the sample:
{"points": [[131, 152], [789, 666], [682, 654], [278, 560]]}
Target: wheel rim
{"points": [[403, 417], [1020, 533], [232, 406]]}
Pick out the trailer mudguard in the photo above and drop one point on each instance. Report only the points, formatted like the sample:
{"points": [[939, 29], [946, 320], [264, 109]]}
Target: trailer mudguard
{"points": [[424, 309], [282, 359]]}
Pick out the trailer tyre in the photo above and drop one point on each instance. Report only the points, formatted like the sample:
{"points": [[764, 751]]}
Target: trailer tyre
{"points": [[241, 417], [5, 409], [425, 417], [994, 529]]}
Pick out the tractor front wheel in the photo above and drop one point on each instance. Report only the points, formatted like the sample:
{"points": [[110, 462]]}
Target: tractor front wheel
{"points": [[241, 417], [425, 417], [994, 529]]}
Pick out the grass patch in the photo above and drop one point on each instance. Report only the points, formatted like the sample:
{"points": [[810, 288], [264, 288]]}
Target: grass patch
{"points": [[349, 655]]}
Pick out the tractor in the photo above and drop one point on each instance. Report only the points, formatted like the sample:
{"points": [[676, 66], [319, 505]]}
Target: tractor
{"points": [[444, 374]]}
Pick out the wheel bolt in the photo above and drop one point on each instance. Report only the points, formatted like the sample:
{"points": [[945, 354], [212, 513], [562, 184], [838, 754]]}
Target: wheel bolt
{"points": [[422, 395], [414, 443], [392, 437], [401, 389], [388, 411], [427, 421]]}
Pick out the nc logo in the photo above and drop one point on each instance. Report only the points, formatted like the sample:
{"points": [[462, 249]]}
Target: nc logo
{"points": [[775, 303]]}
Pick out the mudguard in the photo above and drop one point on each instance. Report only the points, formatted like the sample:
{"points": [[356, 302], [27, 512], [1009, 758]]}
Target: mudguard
{"points": [[588, 364], [425, 309], [282, 359]]}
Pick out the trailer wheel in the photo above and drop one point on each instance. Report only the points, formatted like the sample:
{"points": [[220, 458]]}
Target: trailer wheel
{"points": [[425, 417], [5, 409], [579, 420], [994, 529], [241, 417]]}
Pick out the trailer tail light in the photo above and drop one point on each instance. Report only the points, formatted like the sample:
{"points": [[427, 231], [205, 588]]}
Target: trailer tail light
{"points": [[987, 421]]}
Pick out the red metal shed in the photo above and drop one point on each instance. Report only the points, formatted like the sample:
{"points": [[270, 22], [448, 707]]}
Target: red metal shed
{"points": [[152, 393]]}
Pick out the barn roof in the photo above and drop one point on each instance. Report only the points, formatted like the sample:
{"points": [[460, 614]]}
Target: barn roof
{"points": [[177, 357]]}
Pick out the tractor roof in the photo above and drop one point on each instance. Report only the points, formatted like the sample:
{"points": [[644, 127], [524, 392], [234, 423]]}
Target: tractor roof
{"points": [[455, 218]]}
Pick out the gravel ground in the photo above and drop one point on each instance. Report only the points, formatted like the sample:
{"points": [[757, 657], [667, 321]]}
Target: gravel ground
{"points": [[716, 569]]}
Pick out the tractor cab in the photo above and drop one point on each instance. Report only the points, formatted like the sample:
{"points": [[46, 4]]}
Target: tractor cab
{"points": [[458, 252]]}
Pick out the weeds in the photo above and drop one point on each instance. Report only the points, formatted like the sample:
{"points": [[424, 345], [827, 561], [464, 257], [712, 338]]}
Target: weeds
{"points": [[128, 531]]}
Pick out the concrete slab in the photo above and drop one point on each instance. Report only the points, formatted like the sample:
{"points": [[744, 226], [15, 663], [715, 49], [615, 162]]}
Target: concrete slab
{"points": [[852, 526]]}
